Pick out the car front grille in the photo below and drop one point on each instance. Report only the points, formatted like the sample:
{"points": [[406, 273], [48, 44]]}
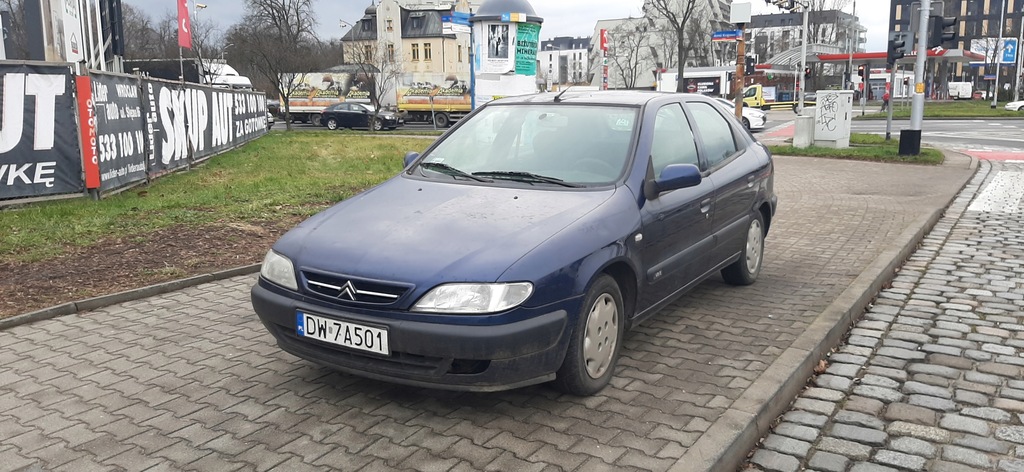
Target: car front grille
{"points": [[339, 288]]}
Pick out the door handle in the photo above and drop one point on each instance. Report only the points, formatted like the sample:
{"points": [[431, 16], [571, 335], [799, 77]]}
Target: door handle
{"points": [[705, 205]]}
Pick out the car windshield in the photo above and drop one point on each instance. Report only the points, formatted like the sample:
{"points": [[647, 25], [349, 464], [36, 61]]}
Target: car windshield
{"points": [[552, 145]]}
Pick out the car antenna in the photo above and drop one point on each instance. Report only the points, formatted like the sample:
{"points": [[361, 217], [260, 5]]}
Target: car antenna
{"points": [[558, 97]]}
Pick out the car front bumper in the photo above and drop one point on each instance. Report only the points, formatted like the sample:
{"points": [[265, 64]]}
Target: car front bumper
{"points": [[433, 355]]}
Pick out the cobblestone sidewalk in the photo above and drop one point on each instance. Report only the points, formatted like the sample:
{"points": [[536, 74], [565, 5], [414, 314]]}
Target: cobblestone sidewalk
{"points": [[930, 378]]}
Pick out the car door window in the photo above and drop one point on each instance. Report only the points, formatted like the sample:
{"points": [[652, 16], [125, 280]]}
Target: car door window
{"points": [[673, 139], [715, 133]]}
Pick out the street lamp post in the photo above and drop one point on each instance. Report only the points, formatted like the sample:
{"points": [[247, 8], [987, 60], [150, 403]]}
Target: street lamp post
{"points": [[999, 54], [803, 59]]}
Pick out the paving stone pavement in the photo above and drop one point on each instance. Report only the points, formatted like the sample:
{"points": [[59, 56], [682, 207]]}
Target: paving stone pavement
{"points": [[190, 380], [931, 377]]}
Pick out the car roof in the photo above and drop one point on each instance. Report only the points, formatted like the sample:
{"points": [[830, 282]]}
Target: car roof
{"points": [[599, 97]]}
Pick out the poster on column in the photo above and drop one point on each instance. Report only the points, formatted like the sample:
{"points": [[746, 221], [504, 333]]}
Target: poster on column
{"points": [[498, 57], [120, 130], [527, 44], [39, 148]]}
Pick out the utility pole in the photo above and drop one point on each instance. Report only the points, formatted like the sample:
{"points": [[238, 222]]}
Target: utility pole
{"points": [[999, 54], [803, 59], [910, 139], [741, 61], [853, 20]]}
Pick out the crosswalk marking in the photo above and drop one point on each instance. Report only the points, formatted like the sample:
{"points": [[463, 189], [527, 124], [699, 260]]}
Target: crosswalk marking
{"points": [[1003, 194]]}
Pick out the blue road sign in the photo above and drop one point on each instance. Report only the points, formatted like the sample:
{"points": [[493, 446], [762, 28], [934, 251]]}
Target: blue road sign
{"points": [[455, 20], [727, 35], [1009, 51]]}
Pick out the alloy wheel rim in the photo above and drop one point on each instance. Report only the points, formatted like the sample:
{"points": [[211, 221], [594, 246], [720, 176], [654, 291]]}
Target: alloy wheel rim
{"points": [[601, 335], [754, 246]]}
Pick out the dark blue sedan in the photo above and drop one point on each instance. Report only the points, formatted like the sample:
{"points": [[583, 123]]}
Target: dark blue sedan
{"points": [[521, 245]]}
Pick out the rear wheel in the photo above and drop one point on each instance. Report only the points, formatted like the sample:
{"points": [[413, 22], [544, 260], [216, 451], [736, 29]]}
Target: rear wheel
{"points": [[745, 270], [441, 120], [332, 124], [596, 340], [315, 118]]}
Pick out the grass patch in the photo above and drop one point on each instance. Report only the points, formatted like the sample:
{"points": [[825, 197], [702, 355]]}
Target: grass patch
{"points": [[950, 109], [282, 175], [864, 147]]}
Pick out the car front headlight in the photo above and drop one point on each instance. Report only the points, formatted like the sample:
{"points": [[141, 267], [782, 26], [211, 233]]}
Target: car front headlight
{"points": [[279, 270], [474, 298]]}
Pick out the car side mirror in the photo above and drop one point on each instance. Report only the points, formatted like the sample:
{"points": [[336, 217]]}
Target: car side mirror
{"points": [[676, 176], [411, 157]]}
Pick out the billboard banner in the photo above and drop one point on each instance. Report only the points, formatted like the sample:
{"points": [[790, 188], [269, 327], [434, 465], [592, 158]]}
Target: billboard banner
{"points": [[417, 91], [197, 122], [704, 85], [323, 89], [497, 52], [39, 148], [120, 130]]}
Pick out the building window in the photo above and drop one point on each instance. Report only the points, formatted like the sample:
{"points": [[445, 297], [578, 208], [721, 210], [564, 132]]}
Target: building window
{"points": [[391, 26], [460, 53], [367, 25], [367, 53], [415, 51], [416, 22], [391, 52], [426, 51]]}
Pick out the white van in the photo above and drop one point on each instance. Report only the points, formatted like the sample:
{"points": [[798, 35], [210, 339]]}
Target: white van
{"points": [[961, 90]]}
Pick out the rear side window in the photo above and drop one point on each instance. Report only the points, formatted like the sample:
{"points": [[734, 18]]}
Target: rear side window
{"points": [[715, 133]]}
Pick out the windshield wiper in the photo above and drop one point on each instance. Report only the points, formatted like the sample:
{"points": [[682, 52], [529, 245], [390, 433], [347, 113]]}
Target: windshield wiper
{"points": [[525, 177], [449, 170]]}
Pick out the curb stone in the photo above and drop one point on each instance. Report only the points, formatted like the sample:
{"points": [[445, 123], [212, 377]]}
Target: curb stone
{"points": [[733, 435], [121, 297]]}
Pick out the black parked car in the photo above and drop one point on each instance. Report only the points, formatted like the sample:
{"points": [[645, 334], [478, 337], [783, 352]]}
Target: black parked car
{"points": [[358, 115]]}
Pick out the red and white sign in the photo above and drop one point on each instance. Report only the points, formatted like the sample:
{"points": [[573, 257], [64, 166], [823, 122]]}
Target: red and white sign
{"points": [[87, 120], [604, 40], [184, 25]]}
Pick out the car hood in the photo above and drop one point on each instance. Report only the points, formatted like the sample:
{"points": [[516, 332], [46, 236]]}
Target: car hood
{"points": [[416, 231]]}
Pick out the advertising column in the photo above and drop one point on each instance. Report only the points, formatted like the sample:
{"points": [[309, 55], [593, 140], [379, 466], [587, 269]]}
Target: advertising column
{"points": [[505, 50]]}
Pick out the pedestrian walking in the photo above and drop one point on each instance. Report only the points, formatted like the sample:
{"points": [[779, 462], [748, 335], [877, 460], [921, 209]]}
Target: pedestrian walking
{"points": [[885, 101]]}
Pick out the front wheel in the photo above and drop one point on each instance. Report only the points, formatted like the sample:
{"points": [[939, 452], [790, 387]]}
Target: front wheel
{"points": [[745, 270], [596, 340], [377, 125], [746, 124]]}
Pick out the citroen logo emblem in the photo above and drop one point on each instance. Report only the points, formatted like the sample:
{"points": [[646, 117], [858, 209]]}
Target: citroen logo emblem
{"points": [[348, 290]]}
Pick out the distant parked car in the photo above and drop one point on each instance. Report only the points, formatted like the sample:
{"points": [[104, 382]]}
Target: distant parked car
{"points": [[1015, 106], [522, 245], [270, 120], [753, 119], [358, 115]]}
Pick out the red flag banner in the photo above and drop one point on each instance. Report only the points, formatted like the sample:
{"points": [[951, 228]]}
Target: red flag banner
{"points": [[184, 25]]}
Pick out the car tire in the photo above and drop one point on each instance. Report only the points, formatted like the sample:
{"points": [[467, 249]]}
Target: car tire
{"points": [[378, 125], [316, 119], [332, 124], [746, 269], [596, 340], [746, 124]]}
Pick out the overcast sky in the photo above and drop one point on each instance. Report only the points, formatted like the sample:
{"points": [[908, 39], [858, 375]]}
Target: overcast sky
{"points": [[561, 17]]}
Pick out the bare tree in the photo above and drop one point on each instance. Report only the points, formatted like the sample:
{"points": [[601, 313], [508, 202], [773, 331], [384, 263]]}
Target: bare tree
{"points": [[698, 39], [276, 40], [17, 31], [378, 68], [627, 50], [677, 14], [663, 45], [141, 39]]}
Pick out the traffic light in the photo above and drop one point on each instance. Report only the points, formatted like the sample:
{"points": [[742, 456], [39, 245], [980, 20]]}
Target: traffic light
{"points": [[896, 47], [748, 66], [937, 34]]}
